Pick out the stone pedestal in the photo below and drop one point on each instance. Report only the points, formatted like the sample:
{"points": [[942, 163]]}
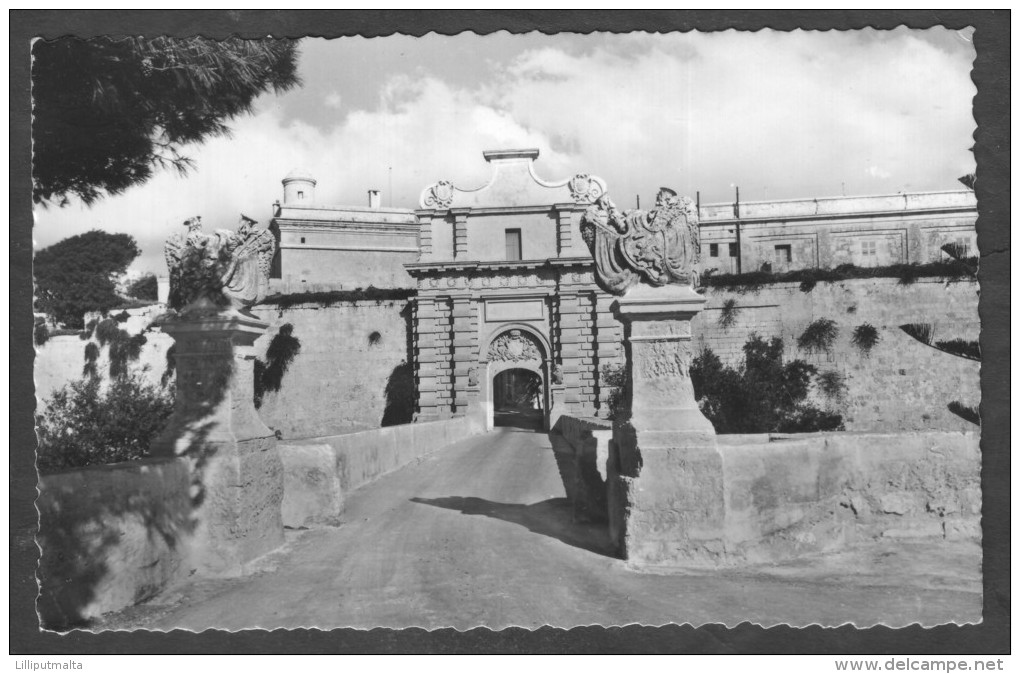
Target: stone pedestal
{"points": [[236, 473], [666, 487]]}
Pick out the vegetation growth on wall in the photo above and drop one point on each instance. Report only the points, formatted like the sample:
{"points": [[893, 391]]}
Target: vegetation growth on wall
{"points": [[762, 395], [952, 269]]}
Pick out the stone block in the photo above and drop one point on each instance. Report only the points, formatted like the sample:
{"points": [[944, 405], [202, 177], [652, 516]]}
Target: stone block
{"points": [[312, 493]]}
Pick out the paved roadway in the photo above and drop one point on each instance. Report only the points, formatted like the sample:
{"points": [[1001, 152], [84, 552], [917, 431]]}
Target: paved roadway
{"points": [[480, 534]]}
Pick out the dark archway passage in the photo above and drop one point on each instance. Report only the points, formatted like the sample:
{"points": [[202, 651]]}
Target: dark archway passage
{"points": [[517, 399]]}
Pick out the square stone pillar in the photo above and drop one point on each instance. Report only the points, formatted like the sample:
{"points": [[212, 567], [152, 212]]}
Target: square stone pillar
{"points": [[236, 473], [666, 481]]}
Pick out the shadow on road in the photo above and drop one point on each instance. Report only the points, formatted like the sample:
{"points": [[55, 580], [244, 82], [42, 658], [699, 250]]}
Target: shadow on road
{"points": [[551, 518]]}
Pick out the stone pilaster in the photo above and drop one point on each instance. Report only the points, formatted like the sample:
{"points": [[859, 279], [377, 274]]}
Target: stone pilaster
{"points": [[433, 346], [666, 491], [465, 350], [564, 243], [460, 216], [236, 471], [571, 347]]}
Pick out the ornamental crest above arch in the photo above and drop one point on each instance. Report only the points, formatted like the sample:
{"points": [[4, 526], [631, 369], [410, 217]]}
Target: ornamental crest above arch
{"points": [[514, 346]]}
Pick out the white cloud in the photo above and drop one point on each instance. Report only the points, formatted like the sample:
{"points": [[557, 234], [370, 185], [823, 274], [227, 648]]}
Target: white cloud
{"points": [[797, 114]]}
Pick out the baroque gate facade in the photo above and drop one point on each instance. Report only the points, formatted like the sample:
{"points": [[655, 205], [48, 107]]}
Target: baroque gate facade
{"points": [[505, 281]]}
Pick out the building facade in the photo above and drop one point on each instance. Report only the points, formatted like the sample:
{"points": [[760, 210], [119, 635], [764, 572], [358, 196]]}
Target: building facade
{"points": [[505, 282], [323, 247], [868, 231]]}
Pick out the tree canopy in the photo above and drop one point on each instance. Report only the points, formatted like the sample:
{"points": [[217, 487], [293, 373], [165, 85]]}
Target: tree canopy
{"points": [[108, 111], [79, 274]]}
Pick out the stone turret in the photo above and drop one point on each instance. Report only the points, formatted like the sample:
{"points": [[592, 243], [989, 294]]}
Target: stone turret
{"points": [[299, 187]]}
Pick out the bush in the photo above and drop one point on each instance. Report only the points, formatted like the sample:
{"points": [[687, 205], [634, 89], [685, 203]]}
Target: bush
{"points": [[614, 379], [832, 383], [865, 337], [82, 426], [819, 335], [763, 395], [42, 331], [145, 288]]}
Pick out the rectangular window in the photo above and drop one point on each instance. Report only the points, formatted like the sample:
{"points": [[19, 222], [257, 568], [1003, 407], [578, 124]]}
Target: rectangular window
{"points": [[962, 247], [513, 244], [869, 248], [713, 250], [302, 239], [300, 194], [733, 250], [784, 254]]}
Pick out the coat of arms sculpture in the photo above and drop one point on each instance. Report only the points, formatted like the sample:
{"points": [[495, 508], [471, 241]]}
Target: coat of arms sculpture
{"points": [[223, 269], [658, 247]]}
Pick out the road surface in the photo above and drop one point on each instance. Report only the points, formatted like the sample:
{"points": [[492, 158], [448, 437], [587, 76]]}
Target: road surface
{"points": [[480, 534]]}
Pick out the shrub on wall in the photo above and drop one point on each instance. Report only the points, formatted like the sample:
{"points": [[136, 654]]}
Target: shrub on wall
{"points": [[819, 335], [865, 337], [832, 383], [951, 270], [729, 313], [83, 426], [762, 395]]}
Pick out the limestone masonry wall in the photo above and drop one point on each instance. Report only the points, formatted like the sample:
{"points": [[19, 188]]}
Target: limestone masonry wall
{"points": [[815, 493], [111, 536], [337, 382], [320, 472], [902, 384]]}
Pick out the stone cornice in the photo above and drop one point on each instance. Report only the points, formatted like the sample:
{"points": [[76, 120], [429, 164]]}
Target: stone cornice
{"points": [[832, 218], [402, 228]]}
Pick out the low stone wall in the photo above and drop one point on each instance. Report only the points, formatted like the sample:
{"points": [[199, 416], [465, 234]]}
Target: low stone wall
{"points": [[786, 496], [792, 495], [319, 472], [111, 536]]}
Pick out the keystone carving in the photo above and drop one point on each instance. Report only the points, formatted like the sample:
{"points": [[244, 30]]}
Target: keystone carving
{"points": [[223, 269], [658, 247], [514, 346]]}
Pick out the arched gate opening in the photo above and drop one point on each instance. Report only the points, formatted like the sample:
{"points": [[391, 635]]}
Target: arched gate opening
{"points": [[517, 399], [517, 381]]}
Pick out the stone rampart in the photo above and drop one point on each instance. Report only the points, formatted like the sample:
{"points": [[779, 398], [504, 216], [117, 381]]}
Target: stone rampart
{"points": [[347, 371], [320, 472], [111, 536], [901, 384]]}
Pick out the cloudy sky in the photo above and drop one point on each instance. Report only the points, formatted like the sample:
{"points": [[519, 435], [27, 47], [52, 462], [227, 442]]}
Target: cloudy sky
{"points": [[781, 115]]}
